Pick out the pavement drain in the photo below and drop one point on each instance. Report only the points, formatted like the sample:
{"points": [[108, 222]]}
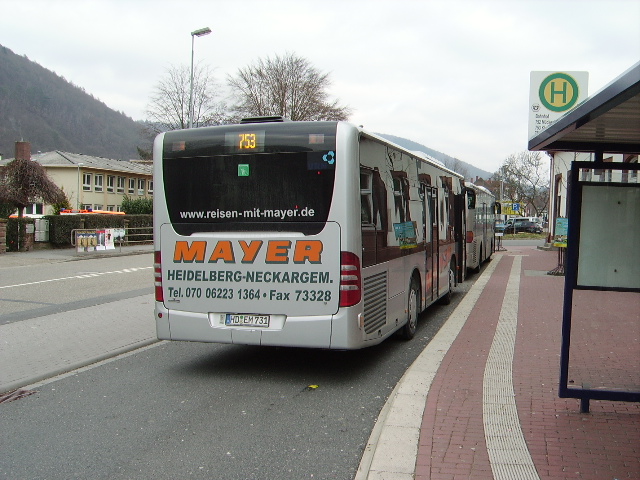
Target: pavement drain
{"points": [[15, 395]]}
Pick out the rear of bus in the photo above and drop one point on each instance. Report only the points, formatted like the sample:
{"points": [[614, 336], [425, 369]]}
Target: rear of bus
{"points": [[250, 235]]}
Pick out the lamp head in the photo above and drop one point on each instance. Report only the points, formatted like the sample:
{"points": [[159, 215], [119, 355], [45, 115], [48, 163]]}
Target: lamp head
{"points": [[200, 32]]}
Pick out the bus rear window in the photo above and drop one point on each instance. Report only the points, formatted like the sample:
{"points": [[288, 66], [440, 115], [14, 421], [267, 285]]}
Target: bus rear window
{"points": [[287, 187], [256, 189]]}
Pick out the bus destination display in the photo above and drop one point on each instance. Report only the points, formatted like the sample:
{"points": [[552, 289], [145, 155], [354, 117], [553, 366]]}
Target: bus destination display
{"points": [[245, 142]]}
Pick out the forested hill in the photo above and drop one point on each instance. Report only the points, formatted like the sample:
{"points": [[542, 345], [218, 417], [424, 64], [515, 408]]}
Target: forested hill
{"points": [[42, 108]]}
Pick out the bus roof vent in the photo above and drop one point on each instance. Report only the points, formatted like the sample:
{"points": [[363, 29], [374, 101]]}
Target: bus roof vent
{"points": [[270, 119]]}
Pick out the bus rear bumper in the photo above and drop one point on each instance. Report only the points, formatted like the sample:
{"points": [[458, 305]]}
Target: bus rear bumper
{"points": [[313, 332], [342, 331]]}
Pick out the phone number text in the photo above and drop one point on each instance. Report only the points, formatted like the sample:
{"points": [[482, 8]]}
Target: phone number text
{"points": [[250, 294]]}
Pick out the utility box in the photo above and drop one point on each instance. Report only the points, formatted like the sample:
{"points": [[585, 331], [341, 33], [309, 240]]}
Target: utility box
{"points": [[41, 229]]}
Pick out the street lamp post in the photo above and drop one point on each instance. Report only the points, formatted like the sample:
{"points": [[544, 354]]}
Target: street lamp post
{"points": [[78, 193], [196, 33]]}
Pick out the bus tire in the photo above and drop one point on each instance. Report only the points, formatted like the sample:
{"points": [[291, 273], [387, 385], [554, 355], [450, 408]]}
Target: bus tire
{"points": [[446, 298], [408, 331]]}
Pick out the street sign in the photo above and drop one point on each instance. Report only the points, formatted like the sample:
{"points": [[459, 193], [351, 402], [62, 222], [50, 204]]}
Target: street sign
{"points": [[552, 95], [511, 208]]}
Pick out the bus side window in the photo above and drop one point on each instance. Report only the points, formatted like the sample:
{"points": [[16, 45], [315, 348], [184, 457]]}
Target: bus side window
{"points": [[365, 210], [471, 199], [366, 198]]}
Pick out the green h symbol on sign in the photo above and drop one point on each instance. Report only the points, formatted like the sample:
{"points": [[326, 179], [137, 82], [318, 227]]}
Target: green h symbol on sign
{"points": [[562, 92], [558, 85]]}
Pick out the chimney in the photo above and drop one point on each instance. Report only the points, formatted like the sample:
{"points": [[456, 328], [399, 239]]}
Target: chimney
{"points": [[23, 151]]}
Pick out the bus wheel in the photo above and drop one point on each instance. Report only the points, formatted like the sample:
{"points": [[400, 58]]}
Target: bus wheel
{"points": [[446, 299], [413, 310]]}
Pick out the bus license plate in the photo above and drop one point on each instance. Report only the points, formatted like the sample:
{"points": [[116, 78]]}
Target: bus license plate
{"points": [[261, 321]]}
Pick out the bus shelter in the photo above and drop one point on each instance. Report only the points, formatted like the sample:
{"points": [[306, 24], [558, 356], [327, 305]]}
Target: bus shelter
{"points": [[600, 352]]}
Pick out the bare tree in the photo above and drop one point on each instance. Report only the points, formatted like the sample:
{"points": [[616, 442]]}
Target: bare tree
{"points": [[287, 86], [525, 179], [168, 107], [24, 182], [457, 166]]}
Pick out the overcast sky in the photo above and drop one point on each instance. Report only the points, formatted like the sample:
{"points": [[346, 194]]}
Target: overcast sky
{"points": [[452, 75]]}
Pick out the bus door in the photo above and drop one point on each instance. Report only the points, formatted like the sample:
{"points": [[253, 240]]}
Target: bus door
{"points": [[484, 213], [431, 243], [460, 231]]}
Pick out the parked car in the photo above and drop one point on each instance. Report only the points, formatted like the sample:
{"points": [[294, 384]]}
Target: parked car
{"points": [[518, 226]]}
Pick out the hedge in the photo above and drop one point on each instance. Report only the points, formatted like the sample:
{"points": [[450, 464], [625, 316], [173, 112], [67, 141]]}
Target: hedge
{"points": [[13, 226], [61, 226]]}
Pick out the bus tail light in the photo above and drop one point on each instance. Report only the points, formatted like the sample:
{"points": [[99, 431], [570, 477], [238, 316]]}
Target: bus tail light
{"points": [[157, 273], [469, 236], [350, 279]]}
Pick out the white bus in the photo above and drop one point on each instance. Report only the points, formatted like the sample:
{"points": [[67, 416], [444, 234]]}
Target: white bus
{"points": [[307, 234], [481, 209]]}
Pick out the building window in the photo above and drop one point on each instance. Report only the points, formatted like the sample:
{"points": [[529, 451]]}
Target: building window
{"points": [[86, 182], [34, 209], [141, 185], [150, 186], [111, 208], [111, 183], [97, 206], [98, 182], [86, 206], [120, 185], [118, 208], [132, 186]]}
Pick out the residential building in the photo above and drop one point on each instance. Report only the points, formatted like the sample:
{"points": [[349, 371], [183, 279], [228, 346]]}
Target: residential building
{"points": [[94, 183]]}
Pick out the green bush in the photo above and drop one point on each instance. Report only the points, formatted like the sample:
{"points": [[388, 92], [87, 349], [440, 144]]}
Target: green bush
{"points": [[140, 221], [6, 209], [97, 222], [63, 204], [60, 228], [137, 206], [16, 228]]}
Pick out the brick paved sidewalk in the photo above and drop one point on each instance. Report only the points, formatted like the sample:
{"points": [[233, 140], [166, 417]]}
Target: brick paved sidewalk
{"points": [[562, 443]]}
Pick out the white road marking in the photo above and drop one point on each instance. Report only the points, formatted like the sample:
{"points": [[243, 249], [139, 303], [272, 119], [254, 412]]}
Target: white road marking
{"points": [[88, 275]]}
